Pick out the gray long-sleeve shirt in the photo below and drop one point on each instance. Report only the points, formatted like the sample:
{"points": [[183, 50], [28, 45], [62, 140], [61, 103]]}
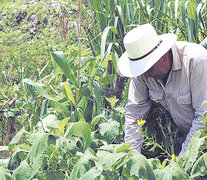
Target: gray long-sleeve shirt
{"points": [[182, 95]]}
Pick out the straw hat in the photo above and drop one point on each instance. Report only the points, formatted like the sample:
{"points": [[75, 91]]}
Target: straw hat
{"points": [[144, 47]]}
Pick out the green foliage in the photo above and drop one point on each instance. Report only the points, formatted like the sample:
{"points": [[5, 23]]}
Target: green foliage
{"points": [[54, 67], [29, 167], [4, 173]]}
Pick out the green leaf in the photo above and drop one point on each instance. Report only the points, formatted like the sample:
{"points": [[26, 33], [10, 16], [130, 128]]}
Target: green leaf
{"points": [[62, 124], [200, 167], [62, 63], [105, 59], [188, 158], [108, 159], [107, 79], [97, 119], [170, 172], [16, 158], [124, 148], [92, 174], [50, 121], [103, 40], [191, 30], [16, 139], [88, 111], [60, 107], [30, 166], [139, 166], [204, 121], [56, 69], [154, 163], [82, 166], [82, 129], [39, 88], [69, 93], [4, 173], [56, 105], [191, 9], [116, 148], [204, 43], [56, 175], [44, 107], [109, 130], [112, 101]]}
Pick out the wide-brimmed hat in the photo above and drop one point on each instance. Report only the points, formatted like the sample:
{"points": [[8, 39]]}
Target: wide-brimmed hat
{"points": [[144, 47]]}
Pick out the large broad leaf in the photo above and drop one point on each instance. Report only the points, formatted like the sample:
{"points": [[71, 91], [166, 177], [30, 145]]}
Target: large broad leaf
{"points": [[109, 130], [92, 174], [4, 174], [82, 129], [82, 166], [97, 119], [200, 167], [16, 139], [30, 166], [50, 121], [187, 160], [16, 158], [138, 166], [171, 172], [62, 63], [108, 159]]}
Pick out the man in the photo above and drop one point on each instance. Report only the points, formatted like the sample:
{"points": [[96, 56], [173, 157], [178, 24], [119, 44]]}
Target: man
{"points": [[163, 69]]}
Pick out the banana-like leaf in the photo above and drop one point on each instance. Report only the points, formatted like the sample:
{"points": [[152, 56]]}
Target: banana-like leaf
{"points": [[103, 40], [55, 104], [62, 63]]}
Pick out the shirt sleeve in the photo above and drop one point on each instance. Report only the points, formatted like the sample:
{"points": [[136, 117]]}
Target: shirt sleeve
{"points": [[137, 107], [198, 83]]}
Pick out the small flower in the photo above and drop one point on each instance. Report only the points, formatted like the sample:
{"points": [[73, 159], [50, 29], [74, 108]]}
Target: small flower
{"points": [[141, 122], [173, 157]]}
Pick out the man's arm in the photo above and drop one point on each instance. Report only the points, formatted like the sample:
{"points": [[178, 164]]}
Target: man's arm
{"points": [[137, 107], [198, 83]]}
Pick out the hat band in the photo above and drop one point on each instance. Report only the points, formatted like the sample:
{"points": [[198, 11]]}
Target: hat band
{"points": [[136, 59]]}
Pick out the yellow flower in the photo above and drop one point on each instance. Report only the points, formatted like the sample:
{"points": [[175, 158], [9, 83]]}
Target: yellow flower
{"points": [[140, 122], [173, 157]]}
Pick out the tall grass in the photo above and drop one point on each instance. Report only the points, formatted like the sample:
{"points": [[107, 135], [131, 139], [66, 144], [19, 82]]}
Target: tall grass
{"points": [[186, 18]]}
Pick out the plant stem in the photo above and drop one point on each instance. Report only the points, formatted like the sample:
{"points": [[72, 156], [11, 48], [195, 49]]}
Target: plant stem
{"points": [[79, 39]]}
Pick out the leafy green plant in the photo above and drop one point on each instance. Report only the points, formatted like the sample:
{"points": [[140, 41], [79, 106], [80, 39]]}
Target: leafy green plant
{"points": [[70, 124]]}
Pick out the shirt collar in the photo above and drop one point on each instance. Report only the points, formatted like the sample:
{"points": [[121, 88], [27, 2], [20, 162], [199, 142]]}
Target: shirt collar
{"points": [[176, 59]]}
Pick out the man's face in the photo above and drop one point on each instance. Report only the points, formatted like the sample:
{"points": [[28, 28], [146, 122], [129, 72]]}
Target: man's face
{"points": [[160, 68]]}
